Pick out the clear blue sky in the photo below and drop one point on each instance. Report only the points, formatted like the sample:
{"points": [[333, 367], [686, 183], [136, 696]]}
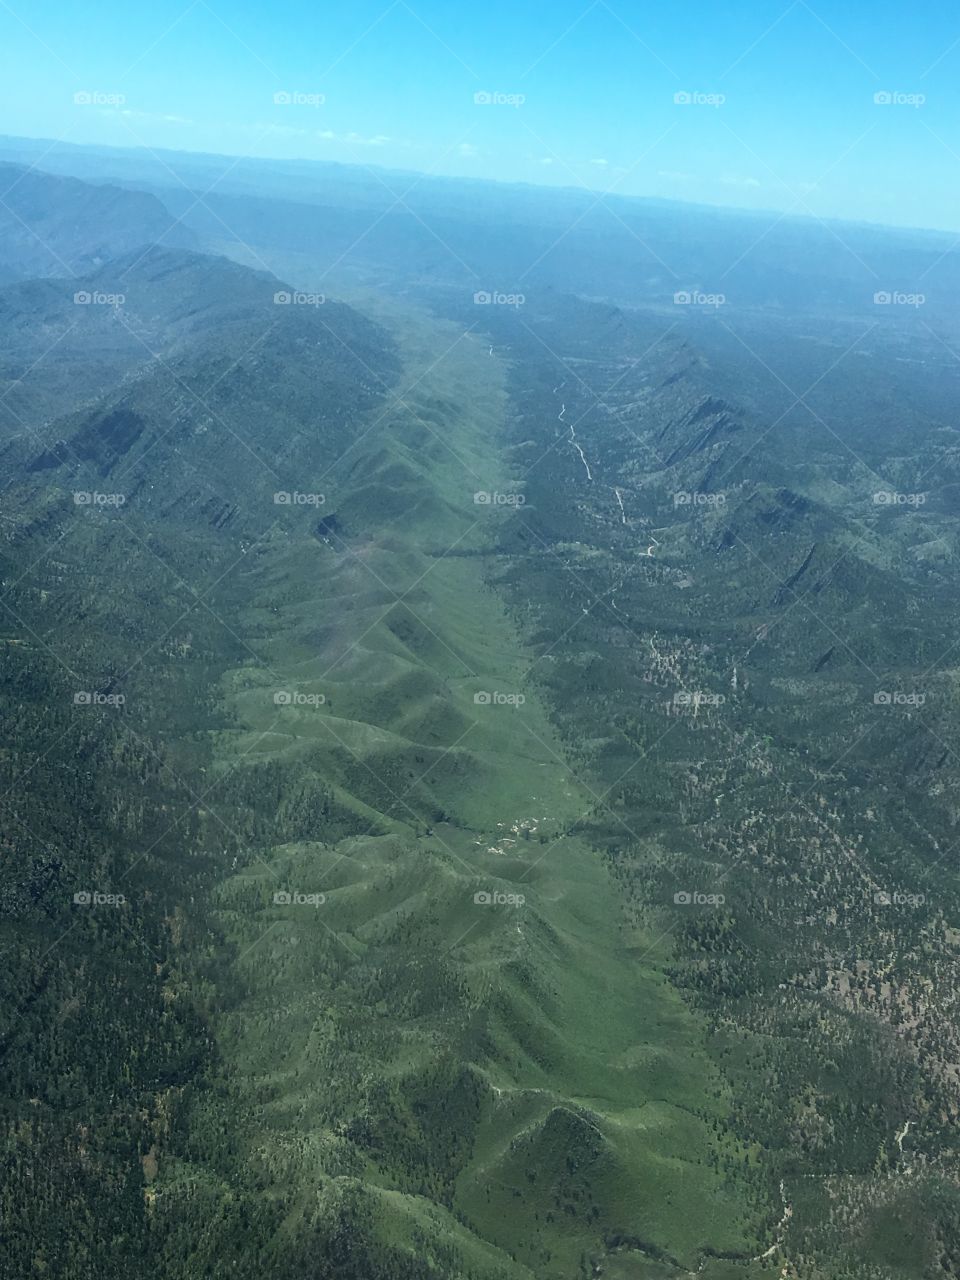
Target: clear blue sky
{"points": [[798, 128]]}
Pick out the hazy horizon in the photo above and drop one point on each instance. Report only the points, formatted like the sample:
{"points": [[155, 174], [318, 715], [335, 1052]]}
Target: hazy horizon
{"points": [[781, 216], [834, 112]]}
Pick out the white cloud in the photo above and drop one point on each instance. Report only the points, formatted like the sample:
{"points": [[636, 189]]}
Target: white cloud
{"points": [[734, 180], [468, 149], [352, 139], [600, 162], [286, 131], [151, 115], [356, 140]]}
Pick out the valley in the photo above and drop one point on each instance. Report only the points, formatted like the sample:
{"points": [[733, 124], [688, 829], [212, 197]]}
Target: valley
{"points": [[508, 1034], [479, 783], [448, 969]]}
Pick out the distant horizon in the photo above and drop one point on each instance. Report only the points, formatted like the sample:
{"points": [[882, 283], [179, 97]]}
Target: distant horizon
{"points": [[782, 216], [842, 112]]}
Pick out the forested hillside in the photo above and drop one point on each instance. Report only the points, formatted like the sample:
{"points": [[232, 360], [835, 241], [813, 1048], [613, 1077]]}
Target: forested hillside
{"points": [[479, 800]]}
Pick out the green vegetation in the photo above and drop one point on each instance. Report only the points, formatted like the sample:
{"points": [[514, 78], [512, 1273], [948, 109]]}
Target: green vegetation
{"points": [[510, 794], [767, 672], [397, 1080]]}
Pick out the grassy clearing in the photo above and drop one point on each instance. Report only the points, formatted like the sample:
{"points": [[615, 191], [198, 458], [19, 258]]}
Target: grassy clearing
{"points": [[517, 1080]]}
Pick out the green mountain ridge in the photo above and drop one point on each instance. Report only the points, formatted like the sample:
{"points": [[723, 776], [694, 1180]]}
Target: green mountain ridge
{"points": [[553, 885], [379, 783]]}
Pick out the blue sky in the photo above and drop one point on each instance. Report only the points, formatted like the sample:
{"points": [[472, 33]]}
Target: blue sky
{"points": [[783, 112]]}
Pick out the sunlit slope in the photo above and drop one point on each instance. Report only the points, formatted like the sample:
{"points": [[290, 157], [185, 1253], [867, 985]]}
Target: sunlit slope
{"points": [[523, 1065], [396, 1067], [763, 691]]}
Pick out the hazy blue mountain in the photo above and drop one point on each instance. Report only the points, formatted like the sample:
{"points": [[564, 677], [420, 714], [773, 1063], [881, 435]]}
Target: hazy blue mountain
{"points": [[57, 226], [501, 237]]}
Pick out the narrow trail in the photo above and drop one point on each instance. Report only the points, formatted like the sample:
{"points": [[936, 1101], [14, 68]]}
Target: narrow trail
{"points": [[574, 440], [623, 514], [781, 1227], [586, 464]]}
